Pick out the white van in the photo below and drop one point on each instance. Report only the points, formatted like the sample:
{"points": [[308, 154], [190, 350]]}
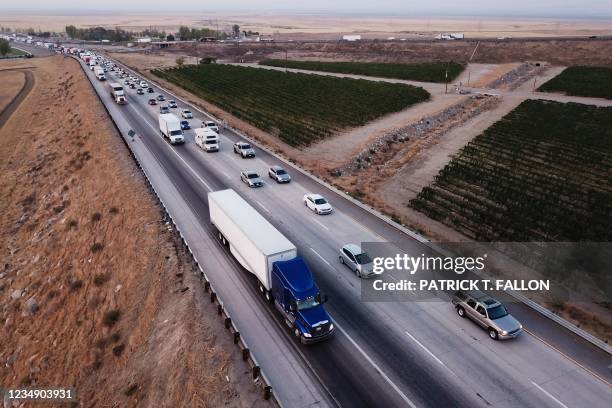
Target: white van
{"points": [[207, 139]]}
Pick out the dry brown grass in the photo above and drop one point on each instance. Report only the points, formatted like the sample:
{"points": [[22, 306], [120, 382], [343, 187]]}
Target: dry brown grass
{"points": [[589, 317], [81, 233], [11, 81]]}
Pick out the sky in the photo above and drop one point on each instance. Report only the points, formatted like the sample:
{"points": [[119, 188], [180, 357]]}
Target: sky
{"points": [[539, 8]]}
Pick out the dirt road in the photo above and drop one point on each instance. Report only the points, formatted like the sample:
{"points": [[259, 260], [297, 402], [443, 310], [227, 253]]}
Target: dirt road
{"points": [[16, 85]]}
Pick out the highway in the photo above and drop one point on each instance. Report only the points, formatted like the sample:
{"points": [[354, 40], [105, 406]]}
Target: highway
{"points": [[417, 354]]}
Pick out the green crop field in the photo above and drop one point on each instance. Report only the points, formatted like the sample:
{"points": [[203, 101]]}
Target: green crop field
{"points": [[582, 81], [424, 72], [298, 108], [542, 173]]}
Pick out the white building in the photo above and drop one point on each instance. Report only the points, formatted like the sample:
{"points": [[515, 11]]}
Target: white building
{"points": [[449, 36]]}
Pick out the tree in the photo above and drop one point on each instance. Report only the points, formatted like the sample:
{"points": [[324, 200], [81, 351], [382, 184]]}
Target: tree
{"points": [[236, 30], [169, 37], [5, 48], [71, 31], [180, 61], [184, 33]]}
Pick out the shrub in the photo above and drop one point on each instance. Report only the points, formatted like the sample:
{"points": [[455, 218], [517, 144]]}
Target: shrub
{"points": [[111, 317], [101, 279], [118, 350], [97, 247], [71, 223], [76, 285]]}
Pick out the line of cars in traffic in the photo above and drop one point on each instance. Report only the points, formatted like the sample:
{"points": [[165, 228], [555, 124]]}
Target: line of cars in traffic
{"points": [[484, 310]]}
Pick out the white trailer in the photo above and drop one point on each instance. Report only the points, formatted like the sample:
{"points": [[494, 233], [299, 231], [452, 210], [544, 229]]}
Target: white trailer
{"points": [[252, 240], [170, 127], [351, 37]]}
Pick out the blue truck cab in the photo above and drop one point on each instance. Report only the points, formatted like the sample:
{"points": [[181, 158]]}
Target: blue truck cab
{"points": [[297, 297]]}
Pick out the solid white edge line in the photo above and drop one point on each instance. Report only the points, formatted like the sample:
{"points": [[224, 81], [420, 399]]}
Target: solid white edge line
{"points": [[425, 348], [173, 151], [549, 395], [319, 255], [380, 371]]}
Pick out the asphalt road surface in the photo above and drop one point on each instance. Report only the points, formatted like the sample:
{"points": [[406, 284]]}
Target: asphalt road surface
{"points": [[417, 354]]}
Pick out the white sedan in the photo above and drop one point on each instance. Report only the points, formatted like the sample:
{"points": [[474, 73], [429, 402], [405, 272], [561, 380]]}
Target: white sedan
{"points": [[317, 203]]}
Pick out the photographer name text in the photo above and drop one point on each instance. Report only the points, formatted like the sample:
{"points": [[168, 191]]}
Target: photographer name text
{"points": [[465, 285]]}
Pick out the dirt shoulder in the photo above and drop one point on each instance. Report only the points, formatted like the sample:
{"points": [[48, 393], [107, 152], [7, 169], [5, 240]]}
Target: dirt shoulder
{"points": [[95, 290]]}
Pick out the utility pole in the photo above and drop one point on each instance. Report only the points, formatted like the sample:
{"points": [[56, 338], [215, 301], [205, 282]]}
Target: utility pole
{"points": [[446, 78]]}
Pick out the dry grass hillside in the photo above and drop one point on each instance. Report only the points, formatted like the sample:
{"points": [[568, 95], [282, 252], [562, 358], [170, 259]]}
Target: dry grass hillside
{"points": [[95, 291]]}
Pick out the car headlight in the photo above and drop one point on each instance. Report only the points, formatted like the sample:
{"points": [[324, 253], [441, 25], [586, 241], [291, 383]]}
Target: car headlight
{"points": [[307, 335], [504, 333], [331, 327]]}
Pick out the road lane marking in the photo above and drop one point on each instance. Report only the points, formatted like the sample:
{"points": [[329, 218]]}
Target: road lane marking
{"points": [[549, 395], [322, 225], [376, 367], [319, 255], [227, 175], [262, 206], [174, 151], [425, 348]]}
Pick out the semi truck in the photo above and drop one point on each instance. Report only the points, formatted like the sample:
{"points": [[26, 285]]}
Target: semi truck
{"points": [[99, 72], [117, 93], [283, 277], [170, 128]]}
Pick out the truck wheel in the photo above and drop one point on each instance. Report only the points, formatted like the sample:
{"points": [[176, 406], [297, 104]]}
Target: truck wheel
{"points": [[268, 296], [341, 260], [460, 311], [357, 273], [296, 332], [261, 288]]}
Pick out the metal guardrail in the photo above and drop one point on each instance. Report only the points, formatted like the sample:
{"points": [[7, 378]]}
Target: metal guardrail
{"points": [[247, 356]]}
